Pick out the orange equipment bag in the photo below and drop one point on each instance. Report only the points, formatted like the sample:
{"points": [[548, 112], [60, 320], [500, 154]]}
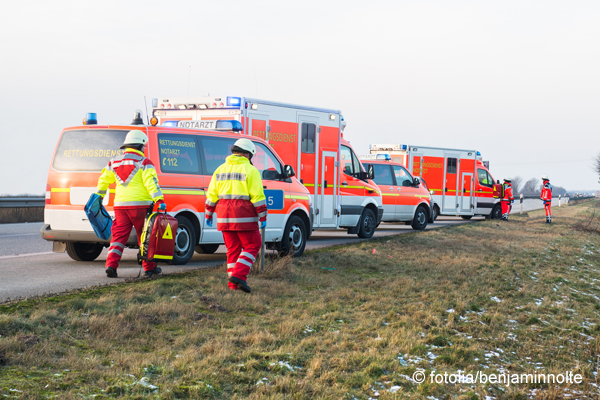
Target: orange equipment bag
{"points": [[158, 237], [498, 190]]}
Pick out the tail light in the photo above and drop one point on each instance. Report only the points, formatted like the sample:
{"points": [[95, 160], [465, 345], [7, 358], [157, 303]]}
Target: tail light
{"points": [[48, 195]]}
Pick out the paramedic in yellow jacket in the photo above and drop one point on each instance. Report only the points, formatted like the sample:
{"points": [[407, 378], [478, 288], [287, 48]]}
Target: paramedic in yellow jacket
{"points": [[137, 190], [236, 194]]}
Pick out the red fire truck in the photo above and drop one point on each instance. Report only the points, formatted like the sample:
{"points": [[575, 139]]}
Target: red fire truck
{"points": [[459, 181], [308, 138]]}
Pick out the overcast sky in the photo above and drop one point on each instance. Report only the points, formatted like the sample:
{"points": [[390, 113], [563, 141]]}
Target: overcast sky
{"points": [[518, 81]]}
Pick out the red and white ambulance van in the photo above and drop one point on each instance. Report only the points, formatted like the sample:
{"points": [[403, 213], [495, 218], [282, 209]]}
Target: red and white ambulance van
{"points": [[308, 138], [405, 198], [185, 161], [459, 182]]}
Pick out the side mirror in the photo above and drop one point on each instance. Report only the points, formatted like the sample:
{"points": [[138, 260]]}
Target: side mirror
{"points": [[498, 181], [271, 175], [371, 172], [416, 182], [288, 171]]}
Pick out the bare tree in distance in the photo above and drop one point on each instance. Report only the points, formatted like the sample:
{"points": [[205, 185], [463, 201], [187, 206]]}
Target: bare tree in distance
{"points": [[531, 187], [516, 184], [597, 163]]}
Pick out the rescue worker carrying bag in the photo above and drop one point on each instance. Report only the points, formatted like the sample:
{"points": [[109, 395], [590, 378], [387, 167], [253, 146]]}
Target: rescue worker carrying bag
{"points": [[158, 237], [98, 217]]}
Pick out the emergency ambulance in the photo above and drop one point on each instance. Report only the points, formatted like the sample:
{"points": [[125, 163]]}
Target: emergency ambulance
{"points": [[308, 138], [459, 181], [185, 160], [405, 198]]}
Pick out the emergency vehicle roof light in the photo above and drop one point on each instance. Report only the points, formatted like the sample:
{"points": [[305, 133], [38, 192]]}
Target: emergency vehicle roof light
{"points": [[90, 119], [170, 123], [254, 106], [478, 153], [191, 106], [385, 157], [202, 106], [137, 118], [332, 117], [404, 147], [154, 103], [181, 106], [229, 125], [234, 101]]}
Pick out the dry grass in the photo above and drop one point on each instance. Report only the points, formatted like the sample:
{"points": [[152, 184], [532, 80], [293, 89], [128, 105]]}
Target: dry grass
{"points": [[23, 214], [520, 297]]}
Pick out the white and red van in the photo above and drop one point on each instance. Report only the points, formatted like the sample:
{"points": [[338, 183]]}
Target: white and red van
{"points": [[459, 181], [308, 138], [185, 161], [405, 198]]}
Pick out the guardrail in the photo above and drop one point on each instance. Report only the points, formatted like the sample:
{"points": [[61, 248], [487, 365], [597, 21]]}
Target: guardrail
{"points": [[21, 202]]}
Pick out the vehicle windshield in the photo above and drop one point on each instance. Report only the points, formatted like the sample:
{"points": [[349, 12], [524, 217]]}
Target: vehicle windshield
{"points": [[350, 164], [87, 149]]}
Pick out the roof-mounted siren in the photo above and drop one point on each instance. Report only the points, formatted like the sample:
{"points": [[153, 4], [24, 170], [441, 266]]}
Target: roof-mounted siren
{"points": [[404, 147], [229, 125], [479, 156], [385, 157], [90, 119], [342, 122], [137, 118]]}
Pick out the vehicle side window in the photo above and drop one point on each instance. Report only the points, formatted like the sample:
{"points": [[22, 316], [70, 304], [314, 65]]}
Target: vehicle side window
{"points": [[383, 174], [308, 137], [484, 178], [451, 165], [350, 164], [403, 178], [215, 151], [178, 154], [266, 163]]}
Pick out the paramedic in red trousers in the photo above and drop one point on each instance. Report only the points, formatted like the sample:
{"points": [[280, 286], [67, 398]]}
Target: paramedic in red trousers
{"points": [[236, 194], [137, 190], [507, 198], [546, 197]]}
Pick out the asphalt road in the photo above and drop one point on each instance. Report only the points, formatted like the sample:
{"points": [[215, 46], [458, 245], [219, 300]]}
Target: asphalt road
{"points": [[29, 268]]}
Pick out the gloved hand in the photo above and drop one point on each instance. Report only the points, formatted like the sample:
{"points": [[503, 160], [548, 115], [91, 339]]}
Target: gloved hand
{"points": [[263, 225], [162, 207], [512, 202], [209, 222]]}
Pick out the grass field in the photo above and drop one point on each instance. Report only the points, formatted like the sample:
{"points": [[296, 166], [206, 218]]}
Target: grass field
{"points": [[352, 322]]}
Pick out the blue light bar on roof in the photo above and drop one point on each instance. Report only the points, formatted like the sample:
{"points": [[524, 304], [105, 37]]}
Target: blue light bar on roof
{"points": [[154, 103], [234, 101], [170, 123], [478, 153], [229, 125], [385, 157]]}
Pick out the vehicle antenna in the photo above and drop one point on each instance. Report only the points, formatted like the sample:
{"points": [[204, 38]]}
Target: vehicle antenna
{"points": [[146, 104]]}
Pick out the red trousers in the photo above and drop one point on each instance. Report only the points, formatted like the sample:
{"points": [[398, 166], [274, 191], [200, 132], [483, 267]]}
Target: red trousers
{"points": [[506, 207], [242, 249], [124, 220], [547, 205]]}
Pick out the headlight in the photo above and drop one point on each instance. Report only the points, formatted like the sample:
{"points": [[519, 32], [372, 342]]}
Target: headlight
{"points": [[432, 192]]}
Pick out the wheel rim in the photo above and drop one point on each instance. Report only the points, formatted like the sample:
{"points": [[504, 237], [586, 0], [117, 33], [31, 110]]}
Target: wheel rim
{"points": [[182, 241], [421, 217], [296, 237], [369, 223]]}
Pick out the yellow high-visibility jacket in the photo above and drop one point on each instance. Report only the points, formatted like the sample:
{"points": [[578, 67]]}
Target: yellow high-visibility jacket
{"points": [[236, 194], [137, 182]]}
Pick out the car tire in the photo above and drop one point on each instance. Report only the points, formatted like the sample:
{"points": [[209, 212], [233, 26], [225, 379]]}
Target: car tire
{"points": [[207, 248], [436, 212], [185, 241], [294, 237], [84, 251], [420, 219], [496, 212], [466, 217], [367, 224]]}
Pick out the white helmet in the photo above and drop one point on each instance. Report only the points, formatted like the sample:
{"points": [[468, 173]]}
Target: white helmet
{"points": [[507, 180], [246, 145], [545, 178], [134, 138]]}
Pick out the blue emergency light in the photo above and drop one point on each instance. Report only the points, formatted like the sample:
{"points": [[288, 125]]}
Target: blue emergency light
{"points": [[385, 157], [91, 119], [170, 123], [234, 101], [479, 153], [404, 147], [229, 125]]}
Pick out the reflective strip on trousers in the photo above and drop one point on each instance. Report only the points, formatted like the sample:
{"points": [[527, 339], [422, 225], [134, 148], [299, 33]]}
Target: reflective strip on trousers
{"points": [[236, 220], [250, 256], [241, 260], [116, 251], [121, 245]]}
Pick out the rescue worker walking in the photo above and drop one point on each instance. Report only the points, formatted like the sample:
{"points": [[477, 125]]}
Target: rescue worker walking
{"points": [[546, 197], [507, 198], [137, 191], [236, 194]]}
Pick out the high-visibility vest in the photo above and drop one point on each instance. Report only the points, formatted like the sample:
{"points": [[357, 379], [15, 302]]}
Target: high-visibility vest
{"points": [[137, 182], [507, 194], [236, 194]]}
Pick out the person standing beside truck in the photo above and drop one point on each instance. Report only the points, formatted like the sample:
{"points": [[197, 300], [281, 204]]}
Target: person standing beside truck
{"points": [[137, 191], [236, 194], [546, 197], [507, 198]]}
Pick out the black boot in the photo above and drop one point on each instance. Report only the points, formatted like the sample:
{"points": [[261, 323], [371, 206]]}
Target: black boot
{"points": [[241, 284], [111, 272]]}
